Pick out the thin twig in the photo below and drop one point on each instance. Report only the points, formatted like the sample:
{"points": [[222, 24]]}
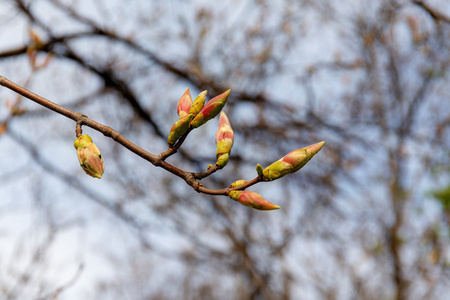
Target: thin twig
{"points": [[156, 160], [435, 14]]}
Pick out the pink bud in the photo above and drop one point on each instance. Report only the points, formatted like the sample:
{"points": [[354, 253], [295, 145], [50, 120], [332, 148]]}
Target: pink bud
{"points": [[184, 104], [224, 131], [224, 140], [252, 199], [210, 110]]}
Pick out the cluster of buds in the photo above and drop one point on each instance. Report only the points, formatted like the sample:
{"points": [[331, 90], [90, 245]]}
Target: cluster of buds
{"points": [[194, 114], [290, 163], [250, 199], [89, 156], [224, 141]]}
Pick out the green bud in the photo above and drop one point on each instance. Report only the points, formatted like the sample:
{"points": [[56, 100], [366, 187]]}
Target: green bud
{"points": [[277, 170], [89, 156], [292, 162], [238, 183], [224, 136], [259, 170], [179, 128], [198, 104], [222, 161]]}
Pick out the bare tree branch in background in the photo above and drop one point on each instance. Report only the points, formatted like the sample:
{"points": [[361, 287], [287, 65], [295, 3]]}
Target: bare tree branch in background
{"points": [[370, 78]]}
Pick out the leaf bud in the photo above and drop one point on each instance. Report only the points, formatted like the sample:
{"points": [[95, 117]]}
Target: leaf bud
{"points": [[89, 156], [198, 104], [238, 183], [252, 199], [224, 140], [210, 110], [184, 104], [179, 128], [292, 162], [259, 170]]}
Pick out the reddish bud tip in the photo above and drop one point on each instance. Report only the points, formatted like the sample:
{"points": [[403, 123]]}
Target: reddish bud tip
{"points": [[184, 104], [252, 199], [211, 109]]}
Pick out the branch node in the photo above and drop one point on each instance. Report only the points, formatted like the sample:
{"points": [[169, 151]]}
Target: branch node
{"points": [[108, 131], [80, 122], [196, 186]]}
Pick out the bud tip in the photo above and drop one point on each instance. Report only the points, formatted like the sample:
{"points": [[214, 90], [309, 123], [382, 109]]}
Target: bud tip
{"points": [[316, 147]]}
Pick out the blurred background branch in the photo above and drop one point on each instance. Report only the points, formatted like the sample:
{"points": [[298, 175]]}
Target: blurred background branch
{"points": [[369, 220]]}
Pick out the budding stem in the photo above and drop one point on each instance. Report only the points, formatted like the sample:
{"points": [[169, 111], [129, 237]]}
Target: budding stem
{"points": [[81, 119]]}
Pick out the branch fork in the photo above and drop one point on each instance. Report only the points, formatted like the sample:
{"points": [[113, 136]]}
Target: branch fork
{"points": [[192, 114]]}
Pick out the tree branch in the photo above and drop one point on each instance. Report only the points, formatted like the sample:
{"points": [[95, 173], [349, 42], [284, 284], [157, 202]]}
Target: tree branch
{"points": [[156, 160], [435, 14]]}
